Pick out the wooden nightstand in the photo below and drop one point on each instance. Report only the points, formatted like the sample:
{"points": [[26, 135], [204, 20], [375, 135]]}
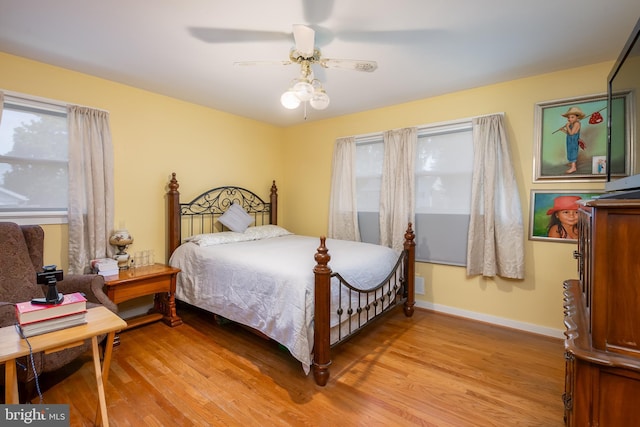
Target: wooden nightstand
{"points": [[157, 279]]}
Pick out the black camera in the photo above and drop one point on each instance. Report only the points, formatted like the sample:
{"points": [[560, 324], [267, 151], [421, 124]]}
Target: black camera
{"points": [[50, 276]]}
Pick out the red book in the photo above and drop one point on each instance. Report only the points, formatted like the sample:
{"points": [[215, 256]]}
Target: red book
{"points": [[26, 312]]}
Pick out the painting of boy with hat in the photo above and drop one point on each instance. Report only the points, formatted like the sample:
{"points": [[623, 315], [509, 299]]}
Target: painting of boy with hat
{"points": [[572, 129], [571, 133]]}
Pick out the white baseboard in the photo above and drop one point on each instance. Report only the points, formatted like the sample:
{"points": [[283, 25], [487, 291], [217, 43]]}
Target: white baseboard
{"points": [[495, 320]]}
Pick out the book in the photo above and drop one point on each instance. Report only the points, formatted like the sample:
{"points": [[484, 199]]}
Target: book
{"points": [[54, 324], [104, 265], [107, 273], [26, 312]]}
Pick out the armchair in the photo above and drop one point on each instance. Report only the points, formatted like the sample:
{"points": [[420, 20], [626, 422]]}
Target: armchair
{"points": [[21, 256]]}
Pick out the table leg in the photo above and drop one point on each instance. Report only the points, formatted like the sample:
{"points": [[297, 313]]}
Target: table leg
{"points": [[10, 383], [165, 303], [108, 349], [104, 375], [102, 417]]}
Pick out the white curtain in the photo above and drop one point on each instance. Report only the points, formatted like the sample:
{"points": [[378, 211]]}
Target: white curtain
{"points": [[90, 187], [343, 211], [1, 104], [397, 192], [496, 231]]}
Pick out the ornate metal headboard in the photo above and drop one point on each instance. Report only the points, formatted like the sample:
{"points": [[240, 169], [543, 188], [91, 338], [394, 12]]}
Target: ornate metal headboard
{"points": [[200, 215]]}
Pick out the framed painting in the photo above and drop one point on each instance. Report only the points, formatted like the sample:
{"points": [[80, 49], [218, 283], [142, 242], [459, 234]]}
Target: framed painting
{"points": [[554, 214], [571, 139]]}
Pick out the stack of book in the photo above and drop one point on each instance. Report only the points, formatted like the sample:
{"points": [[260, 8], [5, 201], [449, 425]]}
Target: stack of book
{"points": [[36, 319], [105, 266]]}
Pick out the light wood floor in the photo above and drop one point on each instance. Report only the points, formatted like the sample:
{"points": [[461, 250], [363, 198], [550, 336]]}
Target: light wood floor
{"points": [[429, 370]]}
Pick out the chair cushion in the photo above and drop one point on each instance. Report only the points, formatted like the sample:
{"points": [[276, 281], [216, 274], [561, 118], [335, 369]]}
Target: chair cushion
{"points": [[17, 274]]}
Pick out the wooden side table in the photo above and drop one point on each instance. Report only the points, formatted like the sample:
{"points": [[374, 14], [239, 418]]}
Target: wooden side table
{"points": [[158, 279], [99, 321]]}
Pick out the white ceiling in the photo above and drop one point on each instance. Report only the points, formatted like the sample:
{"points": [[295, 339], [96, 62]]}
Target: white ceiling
{"points": [[423, 47]]}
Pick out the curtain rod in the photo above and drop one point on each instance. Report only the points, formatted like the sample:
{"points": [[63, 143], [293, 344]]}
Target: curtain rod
{"points": [[430, 125], [49, 101]]}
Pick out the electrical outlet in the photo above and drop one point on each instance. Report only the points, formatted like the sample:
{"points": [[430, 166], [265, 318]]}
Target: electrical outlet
{"points": [[419, 285]]}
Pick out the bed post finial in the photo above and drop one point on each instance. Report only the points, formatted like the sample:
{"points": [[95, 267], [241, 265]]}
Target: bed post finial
{"points": [[322, 314], [410, 270], [173, 183], [322, 257]]}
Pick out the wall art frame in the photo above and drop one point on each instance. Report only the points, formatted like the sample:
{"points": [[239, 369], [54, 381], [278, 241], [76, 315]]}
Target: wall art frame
{"points": [[550, 158], [544, 211]]}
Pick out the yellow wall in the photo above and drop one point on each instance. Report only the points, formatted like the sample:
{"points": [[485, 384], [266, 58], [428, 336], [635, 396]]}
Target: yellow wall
{"points": [[155, 135], [537, 300]]}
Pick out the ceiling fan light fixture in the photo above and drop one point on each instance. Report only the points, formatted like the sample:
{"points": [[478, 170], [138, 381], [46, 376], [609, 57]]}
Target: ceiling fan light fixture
{"points": [[303, 90], [290, 100], [320, 100], [306, 89]]}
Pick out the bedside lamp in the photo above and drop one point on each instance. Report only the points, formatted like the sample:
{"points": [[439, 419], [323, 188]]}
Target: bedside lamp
{"points": [[121, 239]]}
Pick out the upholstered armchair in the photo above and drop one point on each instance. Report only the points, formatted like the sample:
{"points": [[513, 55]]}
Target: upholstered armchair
{"points": [[21, 256]]}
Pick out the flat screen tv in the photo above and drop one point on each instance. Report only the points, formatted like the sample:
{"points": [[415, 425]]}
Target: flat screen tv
{"points": [[624, 76]]}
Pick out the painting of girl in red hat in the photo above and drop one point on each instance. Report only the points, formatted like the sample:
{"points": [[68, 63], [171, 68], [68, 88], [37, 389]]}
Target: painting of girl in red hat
{"points": [[554, 215], [563, 218]]}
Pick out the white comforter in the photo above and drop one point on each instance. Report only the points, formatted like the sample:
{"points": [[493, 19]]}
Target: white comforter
{"points": [[268, 284]]}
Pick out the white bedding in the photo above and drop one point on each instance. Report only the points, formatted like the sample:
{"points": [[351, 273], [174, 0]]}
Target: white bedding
{"points": [[267, 284]]}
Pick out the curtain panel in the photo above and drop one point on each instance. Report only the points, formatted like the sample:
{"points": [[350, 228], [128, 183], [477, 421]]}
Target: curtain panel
{"points": [[343, 209], [496, 231], [91, 194], [397, 192]]}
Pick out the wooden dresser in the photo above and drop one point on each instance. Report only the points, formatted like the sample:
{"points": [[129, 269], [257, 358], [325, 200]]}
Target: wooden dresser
{"points": [[602, 318]]}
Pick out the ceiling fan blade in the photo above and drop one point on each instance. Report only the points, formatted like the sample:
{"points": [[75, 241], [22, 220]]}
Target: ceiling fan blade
{"points": [[305, 38], [349, 64], [231, 35], [252, 63], [317, 11]]}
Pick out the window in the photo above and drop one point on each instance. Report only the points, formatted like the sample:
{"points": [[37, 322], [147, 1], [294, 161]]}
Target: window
{"points": [[444, 164], [33, 161]]}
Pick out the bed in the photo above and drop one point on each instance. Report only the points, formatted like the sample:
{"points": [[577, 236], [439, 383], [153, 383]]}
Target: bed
{"points": [[309, 294]]}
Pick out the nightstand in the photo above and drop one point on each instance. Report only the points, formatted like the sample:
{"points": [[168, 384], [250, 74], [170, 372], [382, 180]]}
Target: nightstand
{"points": [[157, 279]]}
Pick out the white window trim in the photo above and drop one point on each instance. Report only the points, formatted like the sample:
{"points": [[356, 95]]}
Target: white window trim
{"points": [[29, 218]]}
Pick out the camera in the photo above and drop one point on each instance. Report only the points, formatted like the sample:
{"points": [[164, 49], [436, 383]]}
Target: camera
{"points": [[50, 276]]}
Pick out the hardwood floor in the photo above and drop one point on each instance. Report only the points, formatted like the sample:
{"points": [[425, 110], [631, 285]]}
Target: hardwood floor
{"points": [[430, 370]]}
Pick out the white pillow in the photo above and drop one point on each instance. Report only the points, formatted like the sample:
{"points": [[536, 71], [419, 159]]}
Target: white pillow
{"points": [[265, 231], [252, 233], [209, 239], [236, 219]]}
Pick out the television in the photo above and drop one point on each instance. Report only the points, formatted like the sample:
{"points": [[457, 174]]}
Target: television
{"points": [[624, 77]]}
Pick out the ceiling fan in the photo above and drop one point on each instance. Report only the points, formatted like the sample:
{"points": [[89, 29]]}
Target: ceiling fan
{"points": [[305, 53]]}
